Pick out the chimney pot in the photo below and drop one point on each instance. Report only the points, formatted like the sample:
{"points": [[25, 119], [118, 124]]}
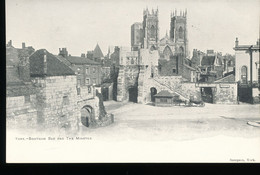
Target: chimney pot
{"points": [[23, 45], [236, 42]]}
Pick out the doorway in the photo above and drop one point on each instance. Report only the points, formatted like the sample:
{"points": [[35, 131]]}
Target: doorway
{"points": [[207, 94], [153, 93], [86, 115], [133, 93]]}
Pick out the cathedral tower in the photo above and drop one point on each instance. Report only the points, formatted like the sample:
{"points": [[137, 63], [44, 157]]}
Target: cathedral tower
{"points": [[150, 29], [179, 33]]}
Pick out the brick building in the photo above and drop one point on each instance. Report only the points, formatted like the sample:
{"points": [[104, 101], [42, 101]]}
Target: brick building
{"points": [[88, 71]]}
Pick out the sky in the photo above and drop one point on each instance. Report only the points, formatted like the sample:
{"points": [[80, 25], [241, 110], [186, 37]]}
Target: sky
{"points": [[79, 25]]}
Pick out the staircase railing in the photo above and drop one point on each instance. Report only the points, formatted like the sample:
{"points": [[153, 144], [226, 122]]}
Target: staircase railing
{"points": [[170, 88]]}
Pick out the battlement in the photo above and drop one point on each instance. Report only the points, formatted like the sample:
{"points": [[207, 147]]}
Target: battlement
{"points": [[146, 12], [181, 13]]}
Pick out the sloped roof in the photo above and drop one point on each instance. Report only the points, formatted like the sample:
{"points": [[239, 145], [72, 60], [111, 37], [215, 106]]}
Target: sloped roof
{"points": [[97, 53], [55, 67], [81, 60], [208, 60], [63, 59], [12, 76], [165, 93], [227, 79]]}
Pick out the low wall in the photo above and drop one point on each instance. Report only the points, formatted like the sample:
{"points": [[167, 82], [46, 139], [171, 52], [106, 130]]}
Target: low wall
{"points": [[20, 114], [225, 93]]}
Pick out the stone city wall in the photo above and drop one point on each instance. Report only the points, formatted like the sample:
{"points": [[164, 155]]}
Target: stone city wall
{"points": [[20, 114]]}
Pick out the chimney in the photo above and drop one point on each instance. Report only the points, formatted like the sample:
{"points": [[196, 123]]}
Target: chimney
{"points": [[45, 62], [9, 43], [236, 42], [257, 42], [63, 52], [23, 45], [83, 55]]}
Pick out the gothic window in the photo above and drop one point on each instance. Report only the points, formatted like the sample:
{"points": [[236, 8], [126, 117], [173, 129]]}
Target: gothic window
{"points": [[181, 50], [243, 74], [181, 33], [153, 32], [167, 53]]}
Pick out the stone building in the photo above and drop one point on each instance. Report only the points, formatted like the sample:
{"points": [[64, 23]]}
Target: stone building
{"points": [[96, 54], [165, 98], [50, 101], [211, 68], [59, 106], [229, 64], [152, 65], [20, 92], [247, 71]]}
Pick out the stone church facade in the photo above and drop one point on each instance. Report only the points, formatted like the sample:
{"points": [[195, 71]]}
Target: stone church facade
{"points": [[153, 64]]}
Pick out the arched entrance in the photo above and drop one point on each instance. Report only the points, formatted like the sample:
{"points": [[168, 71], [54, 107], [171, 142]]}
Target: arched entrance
{"points": [[133, 93], [153, 93], [87, 114]]}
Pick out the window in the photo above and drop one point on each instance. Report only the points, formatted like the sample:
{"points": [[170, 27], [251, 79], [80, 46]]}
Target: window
{"points": [[87, 71], [78, 71], [87, 81], [174, 71], [244, 74], [78, 90], [153, 32], [167, 52], [65, 100], [94, 70], [27, 99], [180, 33], [132, 61], [89, 89]]}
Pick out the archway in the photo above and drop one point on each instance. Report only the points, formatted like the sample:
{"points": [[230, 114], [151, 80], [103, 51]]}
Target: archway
{"points": [[87, 114], [153, 93], [133, 93]]}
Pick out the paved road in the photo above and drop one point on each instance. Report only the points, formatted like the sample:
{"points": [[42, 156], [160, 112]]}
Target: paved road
{"points": [[146, 122]]}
